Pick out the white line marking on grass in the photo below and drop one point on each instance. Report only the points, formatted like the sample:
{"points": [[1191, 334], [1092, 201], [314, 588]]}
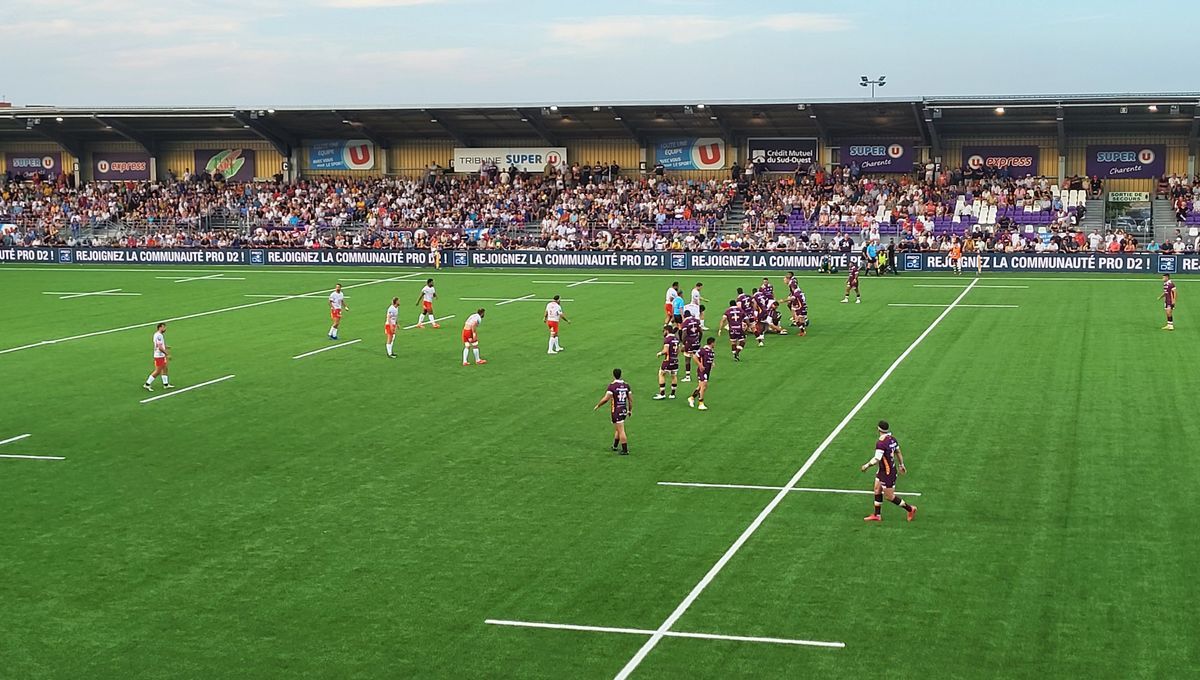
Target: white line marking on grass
{"points": [[33, 457], [683, 606], [269, 295], [678, 634], [182, 318], [703, 485], [440, 318], [580, 283], [15, 439], [186, 389], [520, 299], [211, 277], [924, 304], [958, 285], [527, 298], [592, 283], [326, 349], [66, 295]]}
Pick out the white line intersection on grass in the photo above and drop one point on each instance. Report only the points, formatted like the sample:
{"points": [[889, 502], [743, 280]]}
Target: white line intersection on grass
{"points": [[25, 457], [673, 633], [326, 349], [197, 315], [440, 318], [756, 487], [186, 389], [210, 277], [930, 304], [504, 301], [959, 286], [590, 282], [67, 295]]}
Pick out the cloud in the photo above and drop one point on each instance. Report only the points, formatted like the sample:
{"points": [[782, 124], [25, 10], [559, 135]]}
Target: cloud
{"points": [[611, 31]]}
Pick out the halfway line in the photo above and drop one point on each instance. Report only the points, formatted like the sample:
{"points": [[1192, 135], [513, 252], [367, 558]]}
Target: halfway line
{"points": [[185, 389], [679, 634], [13, 439], [702, 485], [683, 606], [326, 349]]}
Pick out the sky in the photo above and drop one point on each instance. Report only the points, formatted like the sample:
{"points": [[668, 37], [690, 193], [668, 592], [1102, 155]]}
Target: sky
{"points": [[440, 52]]}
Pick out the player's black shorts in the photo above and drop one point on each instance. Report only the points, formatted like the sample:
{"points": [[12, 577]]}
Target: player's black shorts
{"points": [[737, 335], [702, 375], [691, 349], [888, 480], [677, 318]]}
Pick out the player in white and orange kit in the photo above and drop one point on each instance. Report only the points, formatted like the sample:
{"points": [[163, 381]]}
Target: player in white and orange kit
{"points": [[554, 313], [425, 299], [389, 326], [337, 305], [470, 336], [435, 253], [161, 355]]}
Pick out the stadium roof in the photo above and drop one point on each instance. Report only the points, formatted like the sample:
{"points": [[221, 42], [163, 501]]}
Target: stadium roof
{"points": [[924, 119]]}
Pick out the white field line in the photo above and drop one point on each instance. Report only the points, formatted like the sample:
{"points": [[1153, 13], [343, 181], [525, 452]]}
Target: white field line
{"points": [[794, 489], [112, 292], [527, 298], [186, 389], [182, 318], [326, 349], [520, 299], [930, 304], [678, 634], [15, 439], [289, 269], [212, 277], [593, 282], [687, 601], [580, 283], [958, 285], [33, 457], [269, 295], [440, 318]]}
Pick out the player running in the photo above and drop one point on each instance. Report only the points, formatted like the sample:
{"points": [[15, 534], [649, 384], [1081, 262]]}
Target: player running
{"points": [[890, 460], [621, 397], [337, 305], [425, 299], [704, 363], [1168, 298], [470, 337], [389, 325], [669, 306], [161, 354], [696, 302], [690, 330], [734, 319], [852, 282], [670, 363], [554, 312]]}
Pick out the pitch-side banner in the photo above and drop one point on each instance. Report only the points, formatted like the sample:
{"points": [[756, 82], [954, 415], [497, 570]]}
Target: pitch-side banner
{"points": [[525, 158], [782, 154], [1019, 160], [1120, 263]]}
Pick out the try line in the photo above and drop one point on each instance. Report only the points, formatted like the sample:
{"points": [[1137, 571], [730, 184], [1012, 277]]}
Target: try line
{"points": [[686, 603]]}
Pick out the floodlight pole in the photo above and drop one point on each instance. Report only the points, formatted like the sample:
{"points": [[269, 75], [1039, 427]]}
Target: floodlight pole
{"points": [[865, 81]]}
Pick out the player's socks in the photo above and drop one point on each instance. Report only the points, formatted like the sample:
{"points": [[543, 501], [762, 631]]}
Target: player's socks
{"points": [[899, 502], [878, 504], [624, 448], [466, 355], [389, 348], [476, 354], [165, 380], [550, 347], [616, 440]]}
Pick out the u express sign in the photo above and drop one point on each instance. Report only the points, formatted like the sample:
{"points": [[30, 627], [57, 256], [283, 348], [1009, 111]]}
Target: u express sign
{"points": [[526, 158]]}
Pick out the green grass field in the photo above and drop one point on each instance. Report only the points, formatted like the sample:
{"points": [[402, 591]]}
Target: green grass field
{"points": [[345, 515]]}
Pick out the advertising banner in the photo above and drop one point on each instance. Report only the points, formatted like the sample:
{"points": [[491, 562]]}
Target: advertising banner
{"points": [[341, 154], [235, 165], [1133, 161], [704, 153], [1118, 263], [526, 158], [121, 165], [879, 156], [28, 164], [1019, 160], [782, 154]]}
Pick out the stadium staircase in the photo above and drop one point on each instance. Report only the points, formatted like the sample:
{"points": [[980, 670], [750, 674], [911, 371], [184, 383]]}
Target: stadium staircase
{"points": [[736, 214], [1094, 219], [1162, 218]]}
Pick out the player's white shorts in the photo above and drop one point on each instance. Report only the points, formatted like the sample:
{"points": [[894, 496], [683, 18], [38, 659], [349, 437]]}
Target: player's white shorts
{"points": [[694, 309]]}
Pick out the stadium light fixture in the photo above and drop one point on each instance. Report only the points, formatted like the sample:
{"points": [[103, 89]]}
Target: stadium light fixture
{"points": [[270, 110], [433, 120], [616, 118], [877, 82], [999, 110], [1153, 108], [554, 107], [700, 106], [712, 117], [59, 119]]}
